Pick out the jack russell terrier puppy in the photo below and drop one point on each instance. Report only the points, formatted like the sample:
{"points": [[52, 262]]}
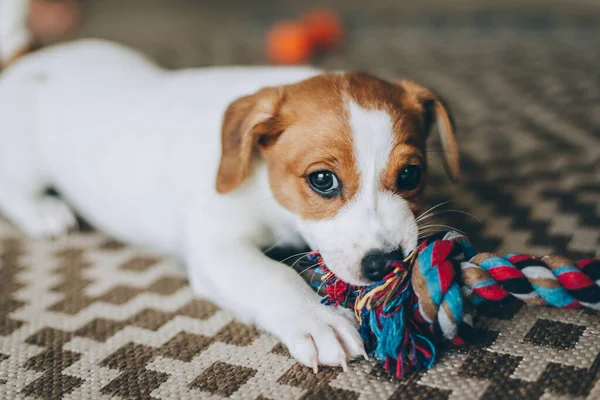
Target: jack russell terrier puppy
{"points": [[215, 165]]}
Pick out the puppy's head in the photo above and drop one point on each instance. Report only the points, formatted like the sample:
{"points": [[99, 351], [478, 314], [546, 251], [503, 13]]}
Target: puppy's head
{"points": [[345, 154]]}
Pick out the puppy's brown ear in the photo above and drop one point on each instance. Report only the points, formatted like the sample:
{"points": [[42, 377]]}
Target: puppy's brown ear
{"points": [[247, 121], [436, 110]]}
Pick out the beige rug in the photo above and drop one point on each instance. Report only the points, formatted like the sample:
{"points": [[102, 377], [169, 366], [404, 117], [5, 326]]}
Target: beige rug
{"points": [[85, 317]]}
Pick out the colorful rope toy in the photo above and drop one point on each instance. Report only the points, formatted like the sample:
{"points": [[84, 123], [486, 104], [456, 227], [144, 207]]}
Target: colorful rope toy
{"points": [[431, 296]]}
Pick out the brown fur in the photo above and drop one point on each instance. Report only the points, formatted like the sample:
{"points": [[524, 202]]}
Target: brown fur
{"points": [[245, 123], [318, 137], [423, 98]]}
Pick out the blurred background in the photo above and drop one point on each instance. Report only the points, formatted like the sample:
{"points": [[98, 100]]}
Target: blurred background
{"points": [[184, 33], [521, 77]]}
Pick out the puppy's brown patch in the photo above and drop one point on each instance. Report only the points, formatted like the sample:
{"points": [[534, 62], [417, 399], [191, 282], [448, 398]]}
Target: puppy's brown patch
{"points": [[372, 93], [408, 125], [304, 128], [247, 122], [317, 137]]}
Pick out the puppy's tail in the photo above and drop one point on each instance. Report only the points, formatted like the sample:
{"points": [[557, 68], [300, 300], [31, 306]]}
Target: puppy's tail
{"points": [[15, 37]]}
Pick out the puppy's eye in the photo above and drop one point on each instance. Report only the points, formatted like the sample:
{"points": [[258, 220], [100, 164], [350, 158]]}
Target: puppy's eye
{"points": [[409, 177], [324, 183]]}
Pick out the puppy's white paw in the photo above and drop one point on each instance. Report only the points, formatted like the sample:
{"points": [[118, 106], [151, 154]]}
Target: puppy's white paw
{"points": [[48, 217], [327, 336]]}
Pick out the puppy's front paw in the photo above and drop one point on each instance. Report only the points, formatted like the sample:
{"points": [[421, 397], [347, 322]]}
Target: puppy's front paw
{"points": [[47, 217], [325, 336]]}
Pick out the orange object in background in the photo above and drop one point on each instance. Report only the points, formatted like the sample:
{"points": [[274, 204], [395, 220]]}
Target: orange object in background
{"points": [[295, 42], [325, 28], [289, 42], [53, 19]]}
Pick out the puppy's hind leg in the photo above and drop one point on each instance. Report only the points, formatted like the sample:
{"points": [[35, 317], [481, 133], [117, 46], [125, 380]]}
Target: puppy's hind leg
{"points": [[22, 179]]}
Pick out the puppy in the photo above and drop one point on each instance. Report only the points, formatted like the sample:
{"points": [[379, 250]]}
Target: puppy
{"points": [[215, 165]]}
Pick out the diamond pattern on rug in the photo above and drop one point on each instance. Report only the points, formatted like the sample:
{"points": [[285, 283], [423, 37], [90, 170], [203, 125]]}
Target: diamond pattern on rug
{"points": [[222, 378], [554, 334], [89, 317]]}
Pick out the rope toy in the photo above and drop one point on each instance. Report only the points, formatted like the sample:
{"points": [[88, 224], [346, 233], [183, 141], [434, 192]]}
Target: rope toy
{"points": [[431, 296]]}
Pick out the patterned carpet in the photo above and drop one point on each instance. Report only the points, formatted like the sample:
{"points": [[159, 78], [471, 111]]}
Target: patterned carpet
{"points": [[86, 317]]}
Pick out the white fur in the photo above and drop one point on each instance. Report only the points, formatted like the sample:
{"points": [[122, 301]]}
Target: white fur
{"points": [[135, 149], [374, 219], [13, 32]]}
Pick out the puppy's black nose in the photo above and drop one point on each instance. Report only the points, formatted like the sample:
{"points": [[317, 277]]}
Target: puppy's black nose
{"points": [[375, 264]]}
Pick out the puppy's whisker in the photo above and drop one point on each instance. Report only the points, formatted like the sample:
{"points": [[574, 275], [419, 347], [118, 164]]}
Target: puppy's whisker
{"points": [[450, 211], [430, 231], [427, 228], [299, 259], [303, 254], [426, 232], [320, 286], [429, 211], [306, 269], [437, 226], [421, 238], [277, 243], [422, 227], [426, 235], [443, 226], [433, 208]]}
